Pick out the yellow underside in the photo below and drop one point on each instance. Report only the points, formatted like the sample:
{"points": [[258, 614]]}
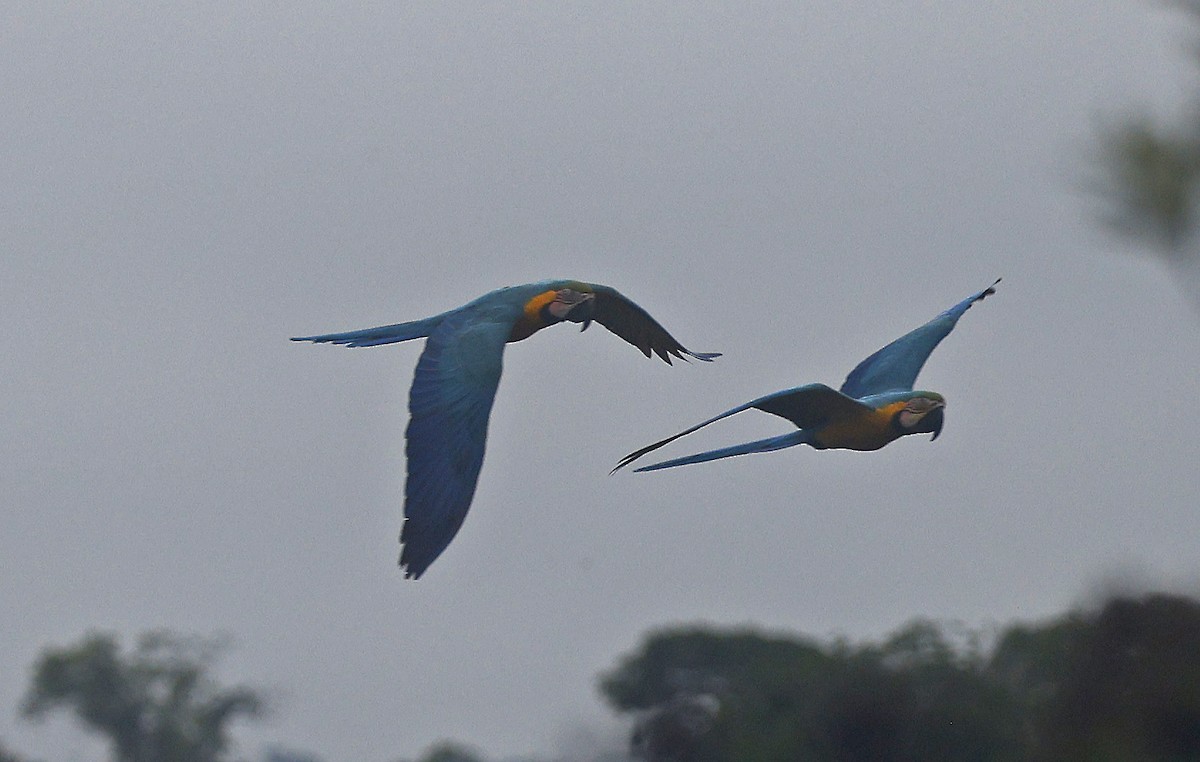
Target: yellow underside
{"points": [[866, 432]]}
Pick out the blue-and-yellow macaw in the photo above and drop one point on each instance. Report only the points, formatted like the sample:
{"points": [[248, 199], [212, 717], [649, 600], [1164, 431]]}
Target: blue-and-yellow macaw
{"points": [[876, 404], [455, 384]]}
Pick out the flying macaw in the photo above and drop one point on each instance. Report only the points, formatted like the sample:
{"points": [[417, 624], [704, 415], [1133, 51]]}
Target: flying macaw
{"points": [[455, 384], [876, 404]]}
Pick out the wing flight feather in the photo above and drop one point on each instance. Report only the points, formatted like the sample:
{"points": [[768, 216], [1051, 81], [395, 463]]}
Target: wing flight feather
{"points": [[895, 367], [450, 401], [626, 319]]}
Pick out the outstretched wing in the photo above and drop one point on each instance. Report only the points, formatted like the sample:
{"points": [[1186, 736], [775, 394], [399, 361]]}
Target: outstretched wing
{"points": [[626, 319], [450, 401], [895, 367], [809, 407]]}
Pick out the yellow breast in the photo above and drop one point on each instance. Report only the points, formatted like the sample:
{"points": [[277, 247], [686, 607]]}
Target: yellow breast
{"points": [[531, 321], [869, 431]]}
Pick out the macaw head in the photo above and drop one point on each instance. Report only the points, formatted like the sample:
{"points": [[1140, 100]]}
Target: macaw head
{"points": [[573, 304], [923, 414]]}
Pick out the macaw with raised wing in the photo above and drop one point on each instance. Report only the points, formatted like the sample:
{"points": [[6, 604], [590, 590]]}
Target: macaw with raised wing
{"points": [[455, 384], [875, 406]]}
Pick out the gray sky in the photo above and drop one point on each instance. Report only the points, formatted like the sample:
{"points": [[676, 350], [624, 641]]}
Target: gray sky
{"points": [[792, 184]]}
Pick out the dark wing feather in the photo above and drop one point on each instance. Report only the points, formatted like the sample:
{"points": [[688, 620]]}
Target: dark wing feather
{"points": [[811, 406], [633, 324]]}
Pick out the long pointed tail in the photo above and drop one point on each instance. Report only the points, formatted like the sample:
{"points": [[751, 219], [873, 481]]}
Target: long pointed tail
{"points": [[631, 457], [384, 334], [759, 445]]}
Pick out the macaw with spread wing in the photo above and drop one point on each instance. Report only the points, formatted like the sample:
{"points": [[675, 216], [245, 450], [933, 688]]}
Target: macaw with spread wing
{"points": [[455, 384], [875, 406]]}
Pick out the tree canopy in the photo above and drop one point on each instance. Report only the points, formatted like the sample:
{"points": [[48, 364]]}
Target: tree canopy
{"points": [[1119, 683], [158, 703]]}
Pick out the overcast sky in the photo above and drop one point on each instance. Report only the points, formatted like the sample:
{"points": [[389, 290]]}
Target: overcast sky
{"points": [[792, 184]]}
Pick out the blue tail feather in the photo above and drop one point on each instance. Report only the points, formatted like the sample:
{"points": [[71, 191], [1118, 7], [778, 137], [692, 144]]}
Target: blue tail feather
{"points": [[790, 439], [384, 334]]}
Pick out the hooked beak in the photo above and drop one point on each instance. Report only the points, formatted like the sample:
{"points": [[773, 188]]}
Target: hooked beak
{"points": [[582, 312], [935, 420]]}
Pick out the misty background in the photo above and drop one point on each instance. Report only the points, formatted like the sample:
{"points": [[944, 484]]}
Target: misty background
{"points": [[793, 185]]}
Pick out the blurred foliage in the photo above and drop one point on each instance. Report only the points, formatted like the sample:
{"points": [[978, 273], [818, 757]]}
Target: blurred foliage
{"points": [[1152, 178], [1129, 685], [8, 756], [156, 704], [1118, 682], [1149, 173], [449, 751], [1121, 683], [276, 754]]}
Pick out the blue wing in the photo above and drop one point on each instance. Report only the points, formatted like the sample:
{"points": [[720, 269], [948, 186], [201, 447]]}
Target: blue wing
{"points": [[808, 407], [450, 402], [895, 367]]}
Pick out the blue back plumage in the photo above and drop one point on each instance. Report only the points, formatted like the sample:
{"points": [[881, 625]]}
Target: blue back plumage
{"points": [[419, 329], [896, 366]]}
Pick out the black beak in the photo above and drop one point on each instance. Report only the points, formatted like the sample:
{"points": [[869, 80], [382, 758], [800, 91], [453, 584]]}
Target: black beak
{"points": [[582, 313], [934, 422]]}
